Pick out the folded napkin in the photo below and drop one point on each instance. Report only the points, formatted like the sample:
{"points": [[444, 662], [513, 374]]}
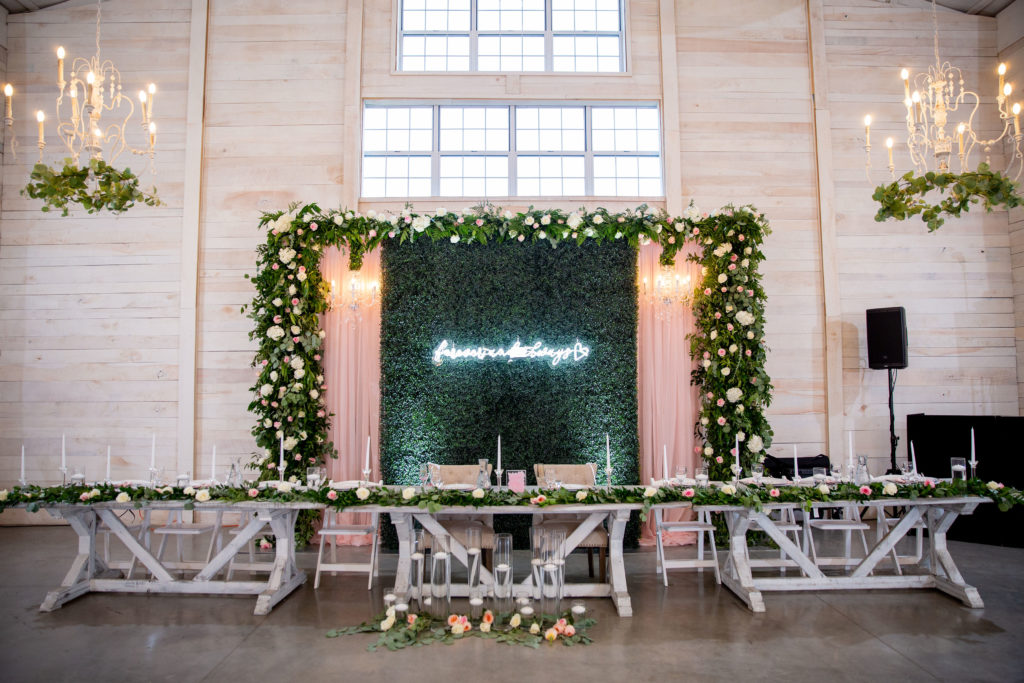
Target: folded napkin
{"points": [[131, 482], [346, 485], [203, 483], [766, 481], [898, 478]]}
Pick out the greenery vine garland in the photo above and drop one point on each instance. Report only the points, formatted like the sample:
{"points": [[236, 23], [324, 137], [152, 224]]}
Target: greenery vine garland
{"points": [[728, 345], [97, 186], [904, 197]]}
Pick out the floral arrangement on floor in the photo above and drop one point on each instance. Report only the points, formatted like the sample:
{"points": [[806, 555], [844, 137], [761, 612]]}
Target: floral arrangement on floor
{"points": [[288, 395], [433, 500], [423, 629]]}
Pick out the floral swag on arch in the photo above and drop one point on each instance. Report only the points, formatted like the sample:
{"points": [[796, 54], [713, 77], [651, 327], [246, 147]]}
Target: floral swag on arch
{"points": [[728, 305]]}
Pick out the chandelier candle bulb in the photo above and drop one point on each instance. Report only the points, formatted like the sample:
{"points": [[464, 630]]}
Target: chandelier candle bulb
{"points": [[1016, 119], [1007, 89], [867, 131], [905, 75], [149, 101], [8, 94], [142, 106], [960, 137], [916, 99], [152, 134], [90, 80], [60, 67], [888, 145], [1002, 75], [41, 118]]}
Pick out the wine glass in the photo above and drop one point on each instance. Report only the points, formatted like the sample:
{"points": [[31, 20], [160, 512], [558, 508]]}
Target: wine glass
{"points": [[681, 473], [758, 470], [819, 474], [424, 475]]}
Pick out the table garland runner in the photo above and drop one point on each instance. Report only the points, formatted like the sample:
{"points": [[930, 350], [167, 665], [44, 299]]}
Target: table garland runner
{"points": [[728, 303]]}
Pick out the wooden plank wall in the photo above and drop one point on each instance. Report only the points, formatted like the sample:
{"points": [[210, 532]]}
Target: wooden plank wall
{"points": [[90, 304], [955, 283]]}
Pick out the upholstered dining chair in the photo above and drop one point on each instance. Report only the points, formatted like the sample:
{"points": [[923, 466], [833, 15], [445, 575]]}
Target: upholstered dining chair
{"points": [[574, 475], [456, 525]]}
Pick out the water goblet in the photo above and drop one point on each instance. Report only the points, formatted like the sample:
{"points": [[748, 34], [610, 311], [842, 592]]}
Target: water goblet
{"points": [[424, 475], [681, 473], [183, 480], [819, 474], [313, 477], [758, 470]]}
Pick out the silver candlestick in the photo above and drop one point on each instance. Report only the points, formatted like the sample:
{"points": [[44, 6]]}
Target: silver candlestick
{"points": [[498, 473], [608, 477], [366, 476]]}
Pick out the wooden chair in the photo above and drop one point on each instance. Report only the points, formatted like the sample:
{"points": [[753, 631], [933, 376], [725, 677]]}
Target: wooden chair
{"points": [[575, 475], [457, 525]]}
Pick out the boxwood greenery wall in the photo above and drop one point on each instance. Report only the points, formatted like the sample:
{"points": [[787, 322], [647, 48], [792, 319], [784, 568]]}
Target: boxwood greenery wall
{"points": [[490, 295]]}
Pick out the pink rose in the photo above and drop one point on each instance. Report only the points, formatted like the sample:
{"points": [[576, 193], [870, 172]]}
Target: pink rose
{"points": [[84, 497], [277, 424], [313, 226], [298, 456], [295, 301], [277, 320], [287, 359], [740, 289], [372, 234], [332, 495], [264, 402], [774, 493], [265, 544], [710, 395], [479, 222], [732, 266], [411, 619], [408, 219], [865, 490], [671, 240], [316, 357], [720, 402], [271, 465], [689, 493], [265, 361], [718, 458], [570, 630], [320, 413], [273, 404], [275, 266], [707, 291], [696, 231], [740, 238], [295, 340], [729, 327], [392, 234], [929, 483], [718, 315], [670, 220], [253, 493], [291, 419], [696, 449], [521, 238], [725, 289], [707, 355], [291, 277], [721, 352], [748, 352]]}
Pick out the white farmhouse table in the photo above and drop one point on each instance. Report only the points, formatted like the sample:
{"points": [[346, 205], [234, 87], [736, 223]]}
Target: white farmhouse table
{"points": [[616, 514], [89, 573], [935, 569]]}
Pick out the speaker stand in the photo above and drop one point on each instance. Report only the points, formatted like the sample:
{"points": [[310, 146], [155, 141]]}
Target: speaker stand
{"points": [[893, 439]]}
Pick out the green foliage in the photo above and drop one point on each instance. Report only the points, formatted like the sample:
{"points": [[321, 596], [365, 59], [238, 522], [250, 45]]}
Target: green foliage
{"points": [[491, 295], [97, 187], [427, 630], [905, 197]]}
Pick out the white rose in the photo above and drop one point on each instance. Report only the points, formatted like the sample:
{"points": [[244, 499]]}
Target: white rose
{"points": [[755, 444], [691, 213], [542, 235], [284, 487], [485, 627], [286, 255], [275, 332], [203, 495], [708, 450], [508, 215], [994, 486], [515, 621], [732, 348], [314, 393], [741, 436], [454, 239], [362, 493], [300, 373], [290, 443], [266, 390], [273, 375], [408, 492], [95, 492], [478, 493], [268, 423], [598, 219], [734, 394], [823, 488], [295, 330], [722, 277], [123, 497], [393, 220], [574, 220], [279, 434], [704, 421], [728, 308], [545, 219], [292, 290], [297, 362], [189, 491], [889, 489], [729, 490], [277, 301], [420, 223], [387, 624], [713, 335], [581, 495], [750, 335], [650, 491], [441, 211], [337, 219], [319, 379], [322, 333], [739, 408], [745, 262], [534, 628], [747, 251], [706, 363], [725, 372], [349, 216], [528, 219], [744, 317]]}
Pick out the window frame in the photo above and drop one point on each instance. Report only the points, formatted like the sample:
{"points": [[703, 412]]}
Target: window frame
{"points": [[473, 34], [588, 153]]}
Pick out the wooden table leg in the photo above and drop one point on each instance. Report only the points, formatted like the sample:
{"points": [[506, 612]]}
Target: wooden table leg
{"points": [[939, 522], [619, 591], [284, 577], [740, 580], [85, 565]]}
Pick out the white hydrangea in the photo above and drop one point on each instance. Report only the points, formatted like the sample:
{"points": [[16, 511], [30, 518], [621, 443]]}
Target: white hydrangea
{"points": [[734, 394], [266, 390], [420, 223], [286, 255], [722, 277], [290, 443], [297, 362], [691, 213], [275, 332], [745, 318], [574, 220], [755, 444]]}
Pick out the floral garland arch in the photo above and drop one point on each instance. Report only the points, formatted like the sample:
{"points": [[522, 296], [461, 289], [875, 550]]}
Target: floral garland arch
{"points": [[728, 304]]}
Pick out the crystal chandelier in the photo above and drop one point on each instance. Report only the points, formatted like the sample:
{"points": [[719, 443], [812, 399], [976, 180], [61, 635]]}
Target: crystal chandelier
{"points": [[361, 295], [670, 292], [94, 90], [943, 116]]}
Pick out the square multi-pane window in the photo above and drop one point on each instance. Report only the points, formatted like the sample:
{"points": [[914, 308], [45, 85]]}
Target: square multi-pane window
{"points": [[550, 129], [396, 176], [473, 129], [510, 15], [550, 176], [398, 129], [510, 53], [586, 53], [512, 35], [626, 129], [436, 15], [574, 16], [474, 176], [627, 176], [435, 53]]}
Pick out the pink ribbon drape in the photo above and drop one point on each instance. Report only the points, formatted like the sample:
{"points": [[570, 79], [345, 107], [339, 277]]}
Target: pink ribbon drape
{"points": [[667, 401]]}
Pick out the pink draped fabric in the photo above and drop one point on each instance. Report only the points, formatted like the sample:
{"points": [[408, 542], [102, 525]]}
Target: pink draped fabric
{"points": [[667, 401], [352, 370]]}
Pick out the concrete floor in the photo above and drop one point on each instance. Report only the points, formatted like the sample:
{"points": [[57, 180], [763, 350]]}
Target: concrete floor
{"points": [[693, 629]]}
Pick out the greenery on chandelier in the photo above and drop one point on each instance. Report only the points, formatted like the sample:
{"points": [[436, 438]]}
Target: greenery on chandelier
{"points": [[728, 345], [97, 186], [905, 197]]}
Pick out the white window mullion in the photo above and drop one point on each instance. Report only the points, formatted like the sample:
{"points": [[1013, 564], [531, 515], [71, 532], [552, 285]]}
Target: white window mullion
{"points": [[588, 160], [435, 153]]}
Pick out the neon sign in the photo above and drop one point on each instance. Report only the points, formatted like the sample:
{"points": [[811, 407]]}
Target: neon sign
{"points": [[535, 351]]}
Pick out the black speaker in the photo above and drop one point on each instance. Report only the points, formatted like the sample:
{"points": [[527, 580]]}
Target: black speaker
{"points": [[887, 338]]}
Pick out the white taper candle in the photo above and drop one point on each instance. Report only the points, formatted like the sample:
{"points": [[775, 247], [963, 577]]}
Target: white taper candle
{"points": [[366, 466], [607, 451], [22, 462], [63, 453], [152, 454], [499, 452], [796, 465], [664, 459], [974, 461], [108, 462], [850, 454], [213, 465], [737, 455], [913, 458]]}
